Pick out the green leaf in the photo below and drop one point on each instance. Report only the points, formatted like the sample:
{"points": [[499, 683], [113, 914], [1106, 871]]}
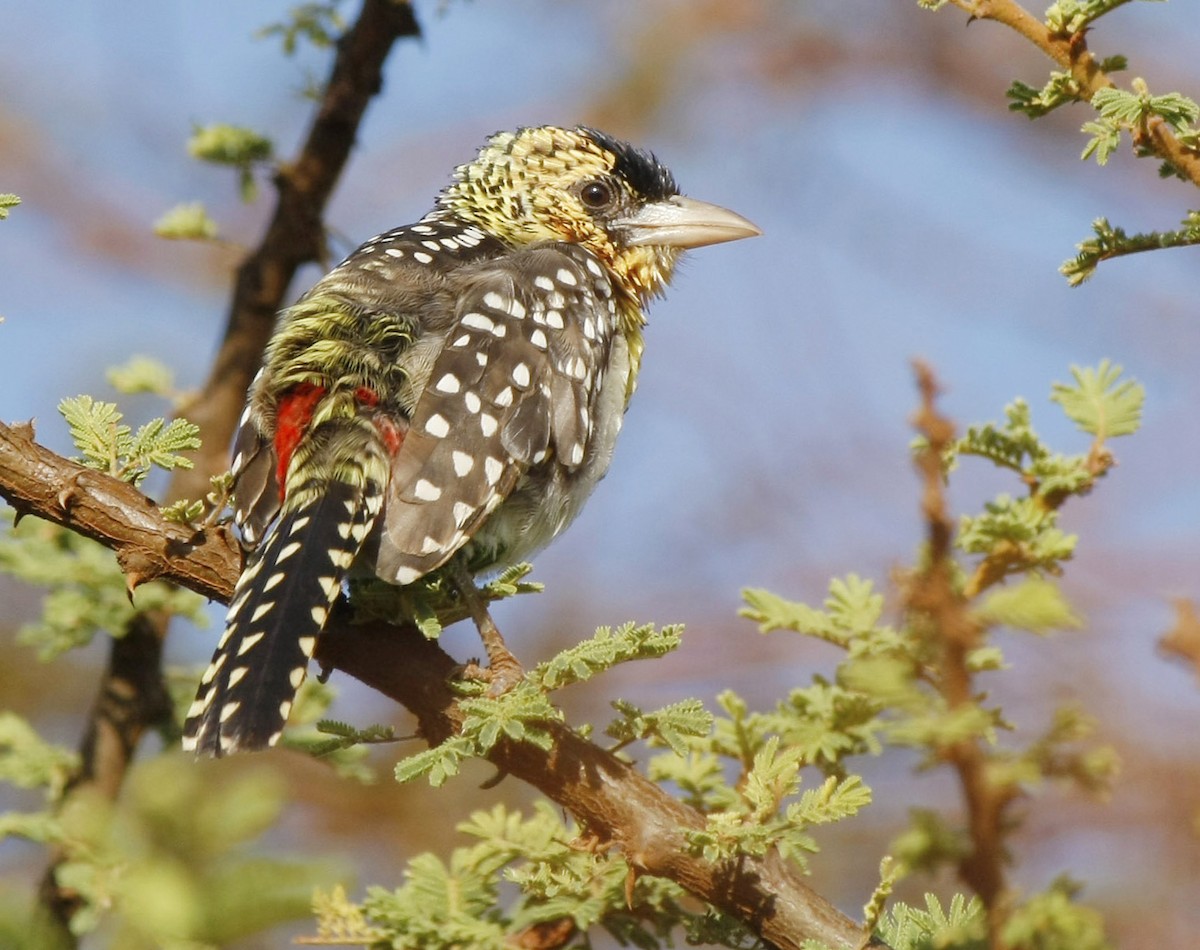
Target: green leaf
{"points": [[106, 443], [1013, 445], [772, 612], [853, 605], [1121, 109], [930, 842], [340, 921], [186, 222], [86, 588], [1026, 528], [7, 202], [1105, 137], [828, 723], [604, 650], [1053, 920], [1034, 103], [1034, 604], [1177, 110], [97, 431], [832, 801], [439, 763], [142, 374], [28, 761], [700, 778], [773, 776], [1100, 402], [671, 726], [963, 927], [1118, 105], [852, 610], [1109, 242], [232, 145], [159, 443], [228, 145], [183, 511]]}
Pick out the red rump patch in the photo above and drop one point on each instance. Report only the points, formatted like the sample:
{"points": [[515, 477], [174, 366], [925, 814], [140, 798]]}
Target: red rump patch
{"points": [[392, 434], [291, 420], [389, 431]]}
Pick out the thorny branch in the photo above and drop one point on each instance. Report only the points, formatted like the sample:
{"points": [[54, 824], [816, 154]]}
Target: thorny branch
{"points": [[294, 236], [608, 796], [1070, 52]]}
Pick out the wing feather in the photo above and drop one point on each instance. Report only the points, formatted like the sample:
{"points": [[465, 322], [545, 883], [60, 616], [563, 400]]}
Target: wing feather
{"points": [[511, 390]]}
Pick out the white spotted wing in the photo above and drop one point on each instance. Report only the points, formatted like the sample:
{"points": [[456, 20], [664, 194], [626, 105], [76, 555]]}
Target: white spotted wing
{"points": [[513, 388]]}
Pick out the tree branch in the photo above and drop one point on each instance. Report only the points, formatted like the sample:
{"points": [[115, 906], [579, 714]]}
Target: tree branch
{"points": [[932, 592], [605, 794], [1071, 53]]}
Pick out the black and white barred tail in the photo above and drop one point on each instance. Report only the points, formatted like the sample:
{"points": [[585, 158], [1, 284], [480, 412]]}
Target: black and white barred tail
{"points": [[279, 608]]}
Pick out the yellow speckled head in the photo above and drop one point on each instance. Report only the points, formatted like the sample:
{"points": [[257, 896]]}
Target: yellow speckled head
{"points": [[576, 185]]}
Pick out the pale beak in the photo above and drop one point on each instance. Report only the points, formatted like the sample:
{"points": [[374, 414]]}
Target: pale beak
{"points": [[684, 222]]}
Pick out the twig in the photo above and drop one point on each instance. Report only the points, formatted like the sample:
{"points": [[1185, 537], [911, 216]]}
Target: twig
{"points": [[1070, 52], [605, 794], [932, 593]]}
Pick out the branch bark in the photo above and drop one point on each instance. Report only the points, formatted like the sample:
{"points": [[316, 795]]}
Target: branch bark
{"points": [[932, 592], [606, 795]]}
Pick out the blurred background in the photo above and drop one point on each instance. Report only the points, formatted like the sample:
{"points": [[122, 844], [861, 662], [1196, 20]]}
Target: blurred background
{"points": [[906, 214]]}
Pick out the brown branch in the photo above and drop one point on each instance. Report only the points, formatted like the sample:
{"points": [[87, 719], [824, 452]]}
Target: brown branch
{"points": [[35, 480], [294, 236], [1071, 53], [605, 794], [932, 593]]}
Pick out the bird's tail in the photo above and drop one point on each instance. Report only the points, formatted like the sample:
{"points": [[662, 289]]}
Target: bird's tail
{"points": [[279, 607]]}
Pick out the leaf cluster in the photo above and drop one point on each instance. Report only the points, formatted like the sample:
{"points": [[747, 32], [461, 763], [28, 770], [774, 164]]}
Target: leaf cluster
{"points": [[187, 221], [236, 146], [1015, 534], [1069, 17], [764, 808], [898, 678], [108, 444], [1122, 110], [171, 865], [564, 888], [314, 22], [960, 926], [520, 714], [85, 588]]}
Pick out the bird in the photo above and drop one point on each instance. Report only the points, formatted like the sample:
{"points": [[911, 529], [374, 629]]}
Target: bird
{"points": [[444, 399]]}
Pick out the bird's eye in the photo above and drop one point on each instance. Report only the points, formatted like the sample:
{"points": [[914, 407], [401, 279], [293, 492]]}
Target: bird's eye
{"points": [[596, 195]]}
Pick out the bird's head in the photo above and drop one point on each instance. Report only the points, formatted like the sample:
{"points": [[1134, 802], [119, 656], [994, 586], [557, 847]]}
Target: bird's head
{"points": [[585, 187]]}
